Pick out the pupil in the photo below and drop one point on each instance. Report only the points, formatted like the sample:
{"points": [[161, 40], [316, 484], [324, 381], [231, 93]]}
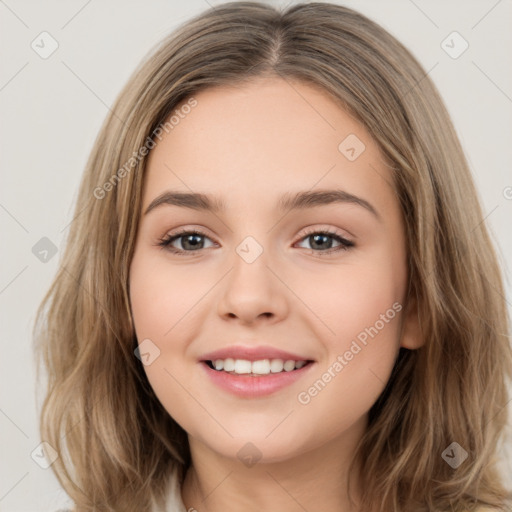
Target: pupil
{"points": [[194, 244], [316, 237]]}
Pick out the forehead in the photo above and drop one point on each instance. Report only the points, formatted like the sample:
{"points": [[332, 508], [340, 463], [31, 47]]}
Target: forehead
{"points": [[256, 140]]}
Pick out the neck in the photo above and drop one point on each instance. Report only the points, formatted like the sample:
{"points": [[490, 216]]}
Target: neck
{"points": [[315, 480]]}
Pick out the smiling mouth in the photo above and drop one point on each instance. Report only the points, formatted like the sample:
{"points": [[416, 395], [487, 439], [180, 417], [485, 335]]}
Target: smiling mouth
{"points": [[256, 368]]}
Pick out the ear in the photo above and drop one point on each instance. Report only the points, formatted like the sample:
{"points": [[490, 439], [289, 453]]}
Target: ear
{"points": [[411, 336]]}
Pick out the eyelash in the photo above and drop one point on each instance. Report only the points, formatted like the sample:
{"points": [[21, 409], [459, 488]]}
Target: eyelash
{"points": [[165, 242]]}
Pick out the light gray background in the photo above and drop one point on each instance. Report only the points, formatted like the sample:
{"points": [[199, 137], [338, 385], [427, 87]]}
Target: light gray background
{"points": [[52, 109]]}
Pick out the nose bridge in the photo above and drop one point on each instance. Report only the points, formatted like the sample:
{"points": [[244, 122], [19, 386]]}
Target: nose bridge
{"points": [[251, 288], [250, 250], [250, 265]]}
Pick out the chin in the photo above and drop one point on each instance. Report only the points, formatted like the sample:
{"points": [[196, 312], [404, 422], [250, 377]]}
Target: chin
{"points": [[251, 449]]}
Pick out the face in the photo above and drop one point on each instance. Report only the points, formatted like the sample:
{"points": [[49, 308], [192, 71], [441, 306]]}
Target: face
{"points": [[320, 281]]}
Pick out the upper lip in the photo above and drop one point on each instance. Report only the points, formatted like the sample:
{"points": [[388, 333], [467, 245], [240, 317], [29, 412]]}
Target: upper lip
{"points": [[252, 354]]}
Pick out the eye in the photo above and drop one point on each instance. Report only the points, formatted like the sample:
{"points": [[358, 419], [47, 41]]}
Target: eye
{"points": [[321, 241], [190, 241]]}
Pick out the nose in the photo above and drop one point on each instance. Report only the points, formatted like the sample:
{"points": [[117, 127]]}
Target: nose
{"points": [[253, 291]]}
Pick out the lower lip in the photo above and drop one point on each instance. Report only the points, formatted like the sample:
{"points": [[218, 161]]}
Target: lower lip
{"points": [[247, 386]]}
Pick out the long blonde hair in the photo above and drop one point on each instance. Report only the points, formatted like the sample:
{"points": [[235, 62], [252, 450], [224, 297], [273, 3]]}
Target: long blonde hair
{"points": [[117, 444]]}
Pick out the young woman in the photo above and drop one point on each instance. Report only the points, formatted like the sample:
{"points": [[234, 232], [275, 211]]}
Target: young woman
{"points": [[278, 292]]}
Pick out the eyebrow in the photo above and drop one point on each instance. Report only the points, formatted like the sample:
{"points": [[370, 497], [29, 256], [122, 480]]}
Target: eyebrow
{"points": [[289, 201]]}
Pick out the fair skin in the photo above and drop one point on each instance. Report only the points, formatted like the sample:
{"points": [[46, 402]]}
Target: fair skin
{"points": [[248, 145]]}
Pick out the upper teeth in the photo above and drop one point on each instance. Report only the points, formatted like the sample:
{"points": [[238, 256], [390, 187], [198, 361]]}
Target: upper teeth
{"points": [[260, 367]]}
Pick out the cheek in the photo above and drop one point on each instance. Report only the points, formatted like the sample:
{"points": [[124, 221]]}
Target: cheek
{"points": [[351, 298], [359, 306], [163, 295], [162, 300], [359, 358]]}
